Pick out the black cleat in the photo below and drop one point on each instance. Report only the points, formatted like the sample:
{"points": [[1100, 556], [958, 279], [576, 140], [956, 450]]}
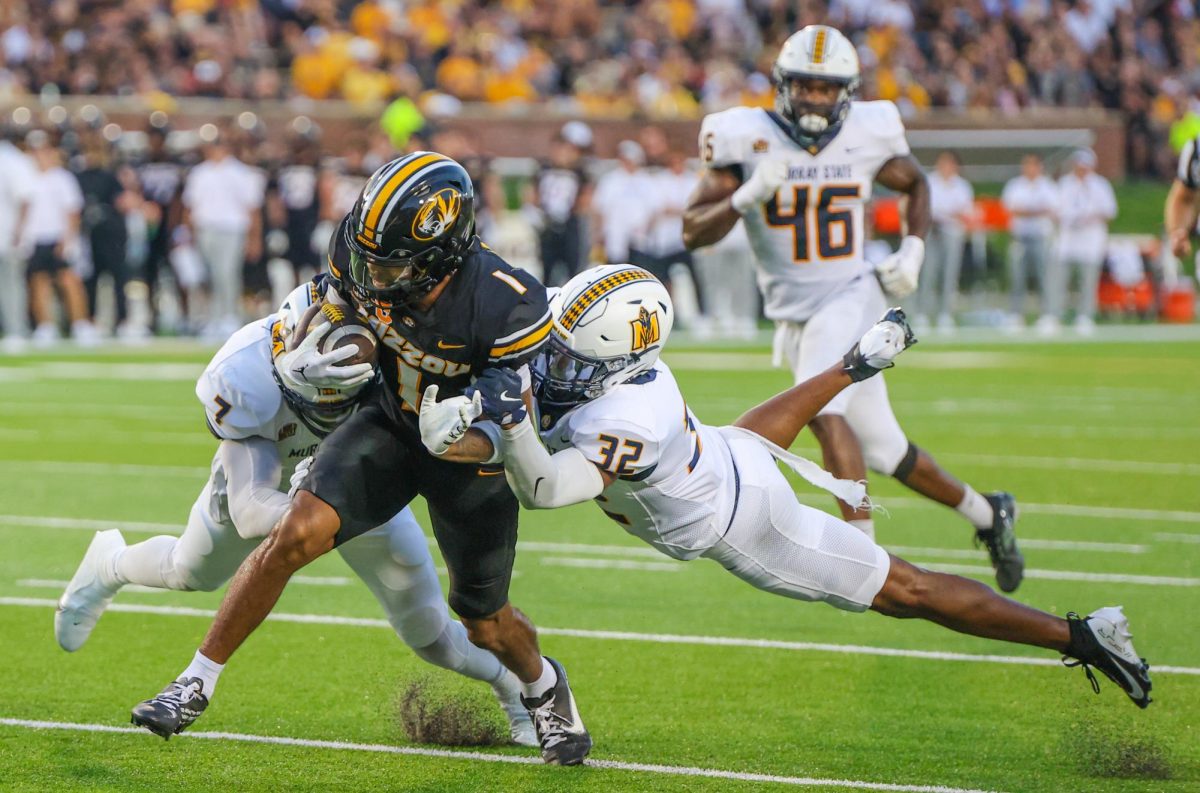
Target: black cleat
{"points": [[560, 731], [1001, 542], [174, 709], [1102, 639]]}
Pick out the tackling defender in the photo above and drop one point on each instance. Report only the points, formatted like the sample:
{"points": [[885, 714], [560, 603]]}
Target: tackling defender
{"points": [[267, 421], [445, 309], [799, 178], [617, 430]]}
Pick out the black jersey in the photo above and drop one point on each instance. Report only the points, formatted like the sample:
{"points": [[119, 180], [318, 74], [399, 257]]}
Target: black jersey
{"points": [[490, 314]]}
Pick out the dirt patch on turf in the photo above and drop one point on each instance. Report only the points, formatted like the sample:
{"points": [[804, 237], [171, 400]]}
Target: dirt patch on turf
{"points": [[431, 710], [1118, 751]]}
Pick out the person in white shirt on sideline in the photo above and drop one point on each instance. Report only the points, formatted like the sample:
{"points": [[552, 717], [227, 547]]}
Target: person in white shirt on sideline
{"points": [[221, 200], [952, 201], [1032, 200], [658, 245], [16, 182], [50, 242], [730, 294], [621, 202], [1086, 204]]}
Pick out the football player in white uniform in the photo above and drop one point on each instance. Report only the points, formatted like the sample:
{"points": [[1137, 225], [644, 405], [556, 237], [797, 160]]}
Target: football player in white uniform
{"points": [[616, 430], [267, 422], [799, 178]]}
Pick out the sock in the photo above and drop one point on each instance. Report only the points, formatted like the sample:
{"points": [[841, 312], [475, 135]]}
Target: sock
{"points": [[149, 563], [867, 526], [207, 670], [1080, 640], [538, 688], [976, 509]]}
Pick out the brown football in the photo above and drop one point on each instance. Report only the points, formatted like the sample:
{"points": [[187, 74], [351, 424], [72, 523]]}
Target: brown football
{"points": [[339, 327]]}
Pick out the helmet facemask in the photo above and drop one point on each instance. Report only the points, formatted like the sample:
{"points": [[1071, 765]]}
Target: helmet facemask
{"points": [[563, 378], [813, 124], [399, 280]]}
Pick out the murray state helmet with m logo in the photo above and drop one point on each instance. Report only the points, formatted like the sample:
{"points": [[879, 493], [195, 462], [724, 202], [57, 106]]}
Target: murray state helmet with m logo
{"points": [[610, 325], [409, 229]]}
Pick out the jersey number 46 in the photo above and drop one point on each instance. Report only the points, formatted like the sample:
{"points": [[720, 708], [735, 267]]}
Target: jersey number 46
{"points": [[831, 224]]}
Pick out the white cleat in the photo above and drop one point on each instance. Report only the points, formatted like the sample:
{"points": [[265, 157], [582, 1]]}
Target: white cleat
{"points": [[520, 725], [91, 590]]}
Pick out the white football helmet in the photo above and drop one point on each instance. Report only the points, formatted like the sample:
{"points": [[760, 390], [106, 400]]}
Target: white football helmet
{"points": [[322, 409], [610, 325], [817, 52]]}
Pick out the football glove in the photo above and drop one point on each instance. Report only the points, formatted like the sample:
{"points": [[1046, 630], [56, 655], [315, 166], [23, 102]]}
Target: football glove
{"points": [[898, 273], [760, 187], [444, 423], [500, 390], [876, 350], [307, 365]]}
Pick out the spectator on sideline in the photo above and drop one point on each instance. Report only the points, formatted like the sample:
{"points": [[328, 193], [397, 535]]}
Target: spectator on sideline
{"points": [[105, 203], [160, 174], [1032, 200], [726, 272], [561, 195], [17, 174], [620, 203], [952, 202], [50, 237], [1086, 204], [659, 247], [222, 198]]}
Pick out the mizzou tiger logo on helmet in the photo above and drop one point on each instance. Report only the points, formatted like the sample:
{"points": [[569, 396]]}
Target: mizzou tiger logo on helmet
{"points": [[437, 214], [645, 329]]}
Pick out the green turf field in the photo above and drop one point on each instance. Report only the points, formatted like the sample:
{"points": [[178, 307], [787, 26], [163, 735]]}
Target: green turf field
{"points": [[1098, 441]]}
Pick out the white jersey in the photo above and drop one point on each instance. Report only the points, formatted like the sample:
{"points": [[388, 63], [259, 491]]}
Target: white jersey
{"points": [[675, 486], [242, 400], [809, 240]]}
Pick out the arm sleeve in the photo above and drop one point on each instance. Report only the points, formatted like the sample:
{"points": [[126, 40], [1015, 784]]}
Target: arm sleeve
{"points": [[544, 481], [1189, 165], [252, 470], [527, 324]]}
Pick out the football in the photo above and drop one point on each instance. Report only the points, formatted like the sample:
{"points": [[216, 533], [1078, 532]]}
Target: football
{"points": [[339, 327]]}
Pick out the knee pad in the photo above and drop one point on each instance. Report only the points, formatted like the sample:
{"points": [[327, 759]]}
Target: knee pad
{"points": [[907, 463], [449, 650]]}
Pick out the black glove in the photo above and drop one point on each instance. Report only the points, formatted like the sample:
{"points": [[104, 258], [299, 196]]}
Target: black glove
{"points": [[500, 389]]}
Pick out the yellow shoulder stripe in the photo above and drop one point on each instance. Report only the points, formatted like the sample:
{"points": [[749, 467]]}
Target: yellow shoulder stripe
{"points": [[534, 338]]}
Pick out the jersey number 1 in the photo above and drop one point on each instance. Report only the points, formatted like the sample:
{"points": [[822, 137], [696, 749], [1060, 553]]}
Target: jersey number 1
{"points": [[833, 224]]}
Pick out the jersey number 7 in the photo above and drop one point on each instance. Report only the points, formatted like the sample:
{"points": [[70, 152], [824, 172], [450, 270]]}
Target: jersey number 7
{"points": [[833, 224]]}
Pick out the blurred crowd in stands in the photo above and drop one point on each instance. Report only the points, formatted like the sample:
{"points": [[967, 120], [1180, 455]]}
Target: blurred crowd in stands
{"points": [[648, 58]]}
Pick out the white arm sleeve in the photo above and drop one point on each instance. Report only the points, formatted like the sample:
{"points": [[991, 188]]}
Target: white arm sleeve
{"points": [[252, 470], [544, 481]]}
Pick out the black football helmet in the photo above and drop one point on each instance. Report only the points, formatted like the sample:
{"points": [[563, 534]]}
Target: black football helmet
{"points": [[409, 229]]}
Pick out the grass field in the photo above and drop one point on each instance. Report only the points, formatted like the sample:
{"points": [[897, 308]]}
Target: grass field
{"points": [[1098, 441]]}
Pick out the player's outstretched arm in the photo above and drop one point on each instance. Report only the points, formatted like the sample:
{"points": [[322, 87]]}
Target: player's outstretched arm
{"points": [[710, 214], [781, 417]]}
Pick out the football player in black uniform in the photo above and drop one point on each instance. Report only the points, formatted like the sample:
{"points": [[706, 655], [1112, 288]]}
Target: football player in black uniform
{"points": [[445, 308]]}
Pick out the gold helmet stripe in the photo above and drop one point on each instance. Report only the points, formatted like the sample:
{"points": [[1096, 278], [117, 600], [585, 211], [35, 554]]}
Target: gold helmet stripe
{"points": [[377, 202], [818, 54], [586, 299]]}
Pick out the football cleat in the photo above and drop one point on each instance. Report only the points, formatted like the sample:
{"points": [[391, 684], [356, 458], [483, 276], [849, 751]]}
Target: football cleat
{"points": [[1102, 639], [1001, 542], [90, 591], [560, 731], [520, 723], [173, 710]]}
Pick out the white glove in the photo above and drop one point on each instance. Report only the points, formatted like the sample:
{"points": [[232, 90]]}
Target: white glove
{"points": [[761, 186], [879, 346], [306, 366], [898, 273], [444, 423], [299, 475]]}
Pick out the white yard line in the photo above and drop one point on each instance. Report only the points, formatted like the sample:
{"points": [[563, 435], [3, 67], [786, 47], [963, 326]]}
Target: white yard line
{"points": [[1026, 543], [1072, 575], [508, 759], [87, 524], [305, 580], [612, 564], [1164, 536], [654, 638], [101, 469], [1077, 464], [1030, 508]]}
